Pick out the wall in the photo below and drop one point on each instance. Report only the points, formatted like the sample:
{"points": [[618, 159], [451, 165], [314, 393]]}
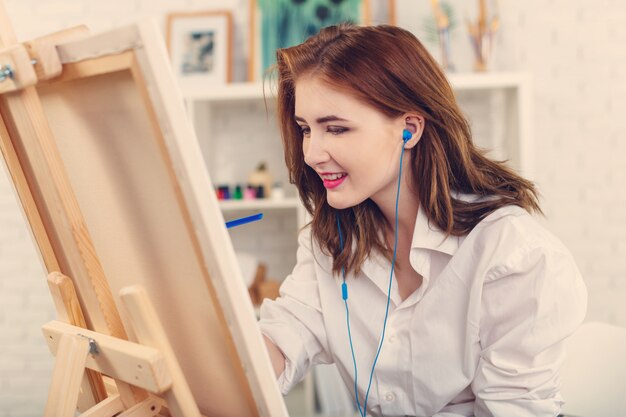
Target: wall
{"points": [[576, 55], [574, 51]]}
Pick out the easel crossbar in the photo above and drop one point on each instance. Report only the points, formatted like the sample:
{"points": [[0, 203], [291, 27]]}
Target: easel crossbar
{"points": [[139, 365]]}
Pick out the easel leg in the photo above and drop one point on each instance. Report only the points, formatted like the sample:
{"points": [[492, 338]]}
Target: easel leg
{"points": [[67, 376], [150, 332], [68, 309]]}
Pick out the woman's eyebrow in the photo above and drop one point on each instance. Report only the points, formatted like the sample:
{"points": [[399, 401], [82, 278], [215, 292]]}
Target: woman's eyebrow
{"points": [[324, 119]]}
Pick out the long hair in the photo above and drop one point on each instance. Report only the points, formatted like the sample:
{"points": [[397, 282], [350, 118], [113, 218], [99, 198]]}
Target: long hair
{"points": [[387, 68]]}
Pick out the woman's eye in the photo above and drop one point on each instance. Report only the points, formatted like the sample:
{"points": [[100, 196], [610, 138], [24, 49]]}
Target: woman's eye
{"points": [[336, 130], [305, 130]]}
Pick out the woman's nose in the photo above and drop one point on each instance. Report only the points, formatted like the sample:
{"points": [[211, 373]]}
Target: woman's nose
{"points": [[315, 152]]}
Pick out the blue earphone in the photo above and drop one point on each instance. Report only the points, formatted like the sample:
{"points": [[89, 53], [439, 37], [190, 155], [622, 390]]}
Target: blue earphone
{"points": [[406, 135]]}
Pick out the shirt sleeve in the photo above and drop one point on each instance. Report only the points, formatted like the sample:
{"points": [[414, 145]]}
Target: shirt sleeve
{"points": [[530, 304], [294, 320]]}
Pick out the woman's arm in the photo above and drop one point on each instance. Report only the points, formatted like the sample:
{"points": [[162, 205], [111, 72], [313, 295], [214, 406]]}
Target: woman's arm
{"points": [[530, 305], [294, 323], [276, 356]]}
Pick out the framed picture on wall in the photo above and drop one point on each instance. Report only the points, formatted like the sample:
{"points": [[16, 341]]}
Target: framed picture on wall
{"points": [[200, 47], [278, 24]]}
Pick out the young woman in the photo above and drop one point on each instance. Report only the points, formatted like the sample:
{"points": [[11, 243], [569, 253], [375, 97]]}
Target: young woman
{"points": [[423, 275]]}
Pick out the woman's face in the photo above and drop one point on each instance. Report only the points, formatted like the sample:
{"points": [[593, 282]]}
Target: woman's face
{"points": [[353, 147]]}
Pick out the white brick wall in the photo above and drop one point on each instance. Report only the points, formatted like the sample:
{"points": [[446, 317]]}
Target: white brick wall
{"points": [[25, 304], [574, 51], [580, 93]]}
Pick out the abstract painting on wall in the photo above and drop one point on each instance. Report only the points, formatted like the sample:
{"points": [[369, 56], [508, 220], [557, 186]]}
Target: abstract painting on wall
{"points": [[284, 23]]}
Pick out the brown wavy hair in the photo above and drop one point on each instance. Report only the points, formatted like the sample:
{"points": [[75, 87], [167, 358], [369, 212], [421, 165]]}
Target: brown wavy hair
{"points": [[387, 68]]}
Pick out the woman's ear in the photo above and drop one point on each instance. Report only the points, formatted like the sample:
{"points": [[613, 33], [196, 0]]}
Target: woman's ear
{"points": [[414, 123]]}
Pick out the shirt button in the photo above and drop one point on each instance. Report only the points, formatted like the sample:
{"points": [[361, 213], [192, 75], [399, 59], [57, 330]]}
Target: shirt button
{"points": [[392, 339], [390, 396]]}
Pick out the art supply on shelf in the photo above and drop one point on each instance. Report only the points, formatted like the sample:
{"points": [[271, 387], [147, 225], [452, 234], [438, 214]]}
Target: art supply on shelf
{"points": [[238, 193], [482, 34], [223, 192], [444, 24], [249, 193], [278, 191]]}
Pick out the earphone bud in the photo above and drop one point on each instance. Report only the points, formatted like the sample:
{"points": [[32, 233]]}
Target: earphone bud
{"points": [[406, 135]]}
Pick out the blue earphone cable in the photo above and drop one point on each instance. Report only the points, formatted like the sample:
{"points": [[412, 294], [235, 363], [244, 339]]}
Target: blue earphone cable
{"points": [[344, 292]]}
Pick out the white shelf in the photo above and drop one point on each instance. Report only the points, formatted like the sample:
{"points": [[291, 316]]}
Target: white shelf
{"points": [[487, 80], [260, 204], [229, 92], [254, 91]]}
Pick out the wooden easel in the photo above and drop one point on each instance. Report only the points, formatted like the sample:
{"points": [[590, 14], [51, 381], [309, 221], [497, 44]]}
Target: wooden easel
{"points": [[117, 351], [82, 356]]}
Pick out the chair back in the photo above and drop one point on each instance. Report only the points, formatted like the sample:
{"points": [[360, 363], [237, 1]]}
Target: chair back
{"points": [[594, 372]]}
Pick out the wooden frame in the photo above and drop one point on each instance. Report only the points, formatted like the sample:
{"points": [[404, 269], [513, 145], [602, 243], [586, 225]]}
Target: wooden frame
{"points": [[201, 46], [111, 179]]}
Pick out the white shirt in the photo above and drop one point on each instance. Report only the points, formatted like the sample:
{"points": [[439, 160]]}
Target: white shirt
{"points": [[482, 336]]}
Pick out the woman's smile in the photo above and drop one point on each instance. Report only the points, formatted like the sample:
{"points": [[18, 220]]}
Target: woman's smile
{"points": [[333, 180]]}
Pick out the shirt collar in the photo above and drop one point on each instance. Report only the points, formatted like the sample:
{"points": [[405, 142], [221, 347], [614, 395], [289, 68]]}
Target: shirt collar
{"points": [[427, 235]]}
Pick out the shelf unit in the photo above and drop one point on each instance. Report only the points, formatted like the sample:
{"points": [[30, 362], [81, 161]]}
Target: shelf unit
{"points": [[283, 203], [497, 105], [512, 91]]}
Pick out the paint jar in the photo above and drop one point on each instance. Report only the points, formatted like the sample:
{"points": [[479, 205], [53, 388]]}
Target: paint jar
{"points": [[278, 193], [238, 193], [249, 193]]}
